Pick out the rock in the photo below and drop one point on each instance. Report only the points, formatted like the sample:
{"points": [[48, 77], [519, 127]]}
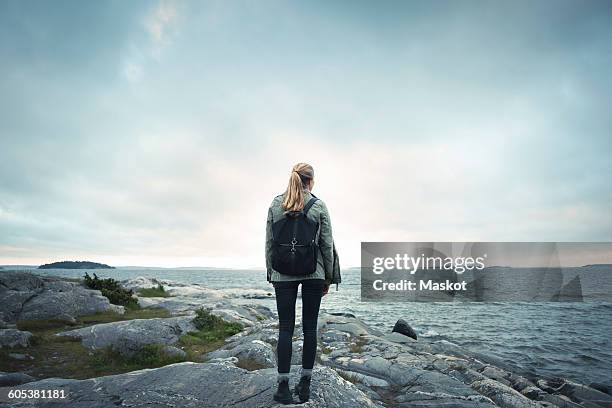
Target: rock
{"points": [[73, 300], [496, 374], [20, 356], [503, 395], [21, 281], [399, 338], [583, 393], [173, 288], [344, 323], [14, 338], [247, 293], [66, 319], [129, 336], [11, 379], [402, 327], [25, 296], [174, 351], [601, 387], [199, 385], [255, 354], [343, 314]]}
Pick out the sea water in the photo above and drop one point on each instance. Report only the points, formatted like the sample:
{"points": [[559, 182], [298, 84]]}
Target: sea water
{"points": [[570, 340]]}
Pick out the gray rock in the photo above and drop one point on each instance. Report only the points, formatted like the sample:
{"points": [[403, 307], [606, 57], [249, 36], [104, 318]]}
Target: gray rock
{"points": [[503, 395], [129, 336], [496, 374], [21, 281], [399, 338], [174, 351], [584, 393], [14, 338], [20, 356], [199, 385], [253, 354], [344, 323], [173, 288], [25, 296], [11, 379], [74, 300], [247, 293], [402, 327]]}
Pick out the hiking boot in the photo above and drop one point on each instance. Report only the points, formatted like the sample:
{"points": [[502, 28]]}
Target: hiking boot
{"points": [[302, 389], [282, 394]]}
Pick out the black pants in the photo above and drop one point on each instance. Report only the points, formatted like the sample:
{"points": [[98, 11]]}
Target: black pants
{"points": [[286, 294]]}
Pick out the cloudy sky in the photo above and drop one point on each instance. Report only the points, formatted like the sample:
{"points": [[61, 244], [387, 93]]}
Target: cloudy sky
{"points": [[157, 133]]}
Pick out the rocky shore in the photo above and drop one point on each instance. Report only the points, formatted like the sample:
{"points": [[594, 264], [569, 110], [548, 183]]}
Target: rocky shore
{"points": [[357, 366]]}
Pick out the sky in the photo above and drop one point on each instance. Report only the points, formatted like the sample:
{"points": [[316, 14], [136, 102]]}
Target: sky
{"points": [[157, 133]]}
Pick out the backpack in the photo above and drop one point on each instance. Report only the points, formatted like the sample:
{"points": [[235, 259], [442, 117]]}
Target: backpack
{"points": [[294, 247]]}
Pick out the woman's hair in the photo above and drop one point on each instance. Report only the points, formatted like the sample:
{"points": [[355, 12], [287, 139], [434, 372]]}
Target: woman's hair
{"points": [[301, 174]]}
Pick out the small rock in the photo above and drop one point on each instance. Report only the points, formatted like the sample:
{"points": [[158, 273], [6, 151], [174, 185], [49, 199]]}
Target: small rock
{"points": [[14, 338], [254, 354], [66, 319], [174, 351], [129, 336], [401, 326], [20, 356]]}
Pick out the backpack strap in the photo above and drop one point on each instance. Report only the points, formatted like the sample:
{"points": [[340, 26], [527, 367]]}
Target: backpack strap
{"points": [[309, 204]]}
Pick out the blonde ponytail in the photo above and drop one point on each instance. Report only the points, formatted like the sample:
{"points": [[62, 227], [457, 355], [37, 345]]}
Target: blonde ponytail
{"points": [[300, 177]]}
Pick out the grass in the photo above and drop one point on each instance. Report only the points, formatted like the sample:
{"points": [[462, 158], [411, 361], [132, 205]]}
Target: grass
{"points": [[66, 357], [210, 334], [326, 350], [357, 347], [158, 291], [249, 364], [352, 378], [108, 361], [41, 326]]}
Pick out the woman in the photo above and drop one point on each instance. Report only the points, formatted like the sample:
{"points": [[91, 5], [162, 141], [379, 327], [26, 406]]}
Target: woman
{"points": [[322, 270]]}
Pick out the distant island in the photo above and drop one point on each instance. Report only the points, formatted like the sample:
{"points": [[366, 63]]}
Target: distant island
{"points": [[75, 265], [597, 266]]}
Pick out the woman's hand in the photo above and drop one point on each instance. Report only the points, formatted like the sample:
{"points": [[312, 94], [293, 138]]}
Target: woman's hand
{"points": [[325, 289]]}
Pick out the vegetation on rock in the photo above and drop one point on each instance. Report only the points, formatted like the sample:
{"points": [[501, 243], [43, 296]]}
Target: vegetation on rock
{"points": [[112, 289], [158, 291]]}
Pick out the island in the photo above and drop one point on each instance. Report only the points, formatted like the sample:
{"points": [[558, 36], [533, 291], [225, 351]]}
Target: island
{"points": [[75, 265]]}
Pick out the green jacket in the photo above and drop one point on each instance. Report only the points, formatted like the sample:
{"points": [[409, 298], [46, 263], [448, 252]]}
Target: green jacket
{"points": [[328, 265]]}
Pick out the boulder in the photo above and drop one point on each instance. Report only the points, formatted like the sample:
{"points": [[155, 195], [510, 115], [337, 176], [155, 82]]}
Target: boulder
{"points": [[503, 395], [254, 354], [11, 379], [129, 336], [20, 356], [199, 385], [174, 351], [25, 296], [402, 327], [14, 338], [172, 288]]}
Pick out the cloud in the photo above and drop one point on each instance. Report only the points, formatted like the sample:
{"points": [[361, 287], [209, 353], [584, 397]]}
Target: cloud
{"points": [[159, 22], [148, 147]]}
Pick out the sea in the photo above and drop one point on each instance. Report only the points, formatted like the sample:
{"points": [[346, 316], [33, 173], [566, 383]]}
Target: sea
{"points": [[545, 339]]}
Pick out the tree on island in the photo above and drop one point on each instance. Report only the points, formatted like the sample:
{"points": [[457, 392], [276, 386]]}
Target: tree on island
{"points": [[75, 265]]}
